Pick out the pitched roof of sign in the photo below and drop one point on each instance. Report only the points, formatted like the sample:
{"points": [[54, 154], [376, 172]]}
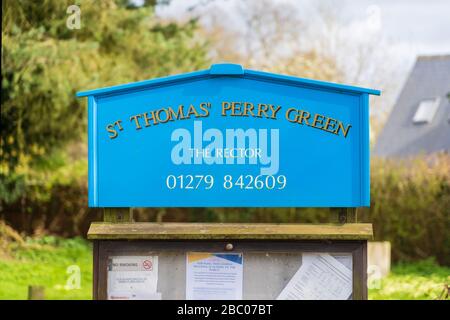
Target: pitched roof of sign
{"points": [[403, 137], [228, 69]]}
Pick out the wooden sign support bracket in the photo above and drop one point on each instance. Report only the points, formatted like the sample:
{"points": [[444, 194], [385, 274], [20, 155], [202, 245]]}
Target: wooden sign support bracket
{"points": [[118, 215], [346, 215]]}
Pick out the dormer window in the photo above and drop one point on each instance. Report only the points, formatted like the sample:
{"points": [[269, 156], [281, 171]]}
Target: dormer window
{"points": [[426, 111]]}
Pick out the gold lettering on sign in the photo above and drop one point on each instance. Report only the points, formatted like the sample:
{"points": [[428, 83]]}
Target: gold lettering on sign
{"points": [[318, 121], [225, 106], [149, 117], [330, 125], [204, 106], [344, 129], [164, 115], [262, 109], [246, 109], [111, 128], [136, 118], [179, 115], [231, 109], [164, 119]]}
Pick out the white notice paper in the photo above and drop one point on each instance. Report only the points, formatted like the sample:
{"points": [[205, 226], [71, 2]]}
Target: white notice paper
{"points": [[214, 276], [320, 277], [133, 278], [345, 259]]}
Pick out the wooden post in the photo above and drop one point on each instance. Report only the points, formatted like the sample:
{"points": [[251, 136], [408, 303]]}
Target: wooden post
{"points": [[36, 293], [95, 269], [345, 215], [360, 290], [117, 215]]}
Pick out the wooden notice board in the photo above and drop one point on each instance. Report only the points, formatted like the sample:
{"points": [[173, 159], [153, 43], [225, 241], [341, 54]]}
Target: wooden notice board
{"points": [[272, 252]]}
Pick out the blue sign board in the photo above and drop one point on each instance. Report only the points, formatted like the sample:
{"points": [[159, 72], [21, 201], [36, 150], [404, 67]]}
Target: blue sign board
{"points": [[229, 137]]}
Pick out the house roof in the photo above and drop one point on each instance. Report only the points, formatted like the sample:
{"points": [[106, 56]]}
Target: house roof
{"points": [[401, 137], [227, 69]]}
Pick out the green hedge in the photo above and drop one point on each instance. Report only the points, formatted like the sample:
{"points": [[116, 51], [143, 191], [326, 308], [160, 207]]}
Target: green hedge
{"points": [[410, 205]]}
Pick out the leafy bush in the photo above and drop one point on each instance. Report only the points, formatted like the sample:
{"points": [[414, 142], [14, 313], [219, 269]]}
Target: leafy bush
{"points": [[410, 206], [44, 64], [410, 203]]}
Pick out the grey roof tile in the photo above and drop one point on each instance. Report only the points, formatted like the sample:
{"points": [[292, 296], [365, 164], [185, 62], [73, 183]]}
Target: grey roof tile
{"points": [[400, 137]]}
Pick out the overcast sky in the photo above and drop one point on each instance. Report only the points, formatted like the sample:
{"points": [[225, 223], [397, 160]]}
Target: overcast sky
{"points": [[413, 26], [422, 25]]}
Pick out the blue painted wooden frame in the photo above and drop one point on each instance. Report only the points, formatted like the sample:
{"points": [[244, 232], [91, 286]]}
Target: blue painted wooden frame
{"points": [[124, 100]]}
